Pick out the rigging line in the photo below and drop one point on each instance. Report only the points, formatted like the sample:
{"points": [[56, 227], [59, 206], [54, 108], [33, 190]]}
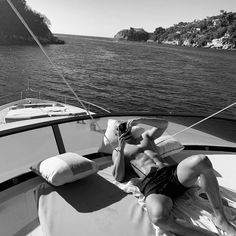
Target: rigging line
{"points": [[208, 117], [55, 67]]}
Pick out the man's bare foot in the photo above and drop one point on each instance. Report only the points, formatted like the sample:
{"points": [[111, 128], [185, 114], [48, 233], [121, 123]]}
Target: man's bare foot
{"points": [[225, 225]]}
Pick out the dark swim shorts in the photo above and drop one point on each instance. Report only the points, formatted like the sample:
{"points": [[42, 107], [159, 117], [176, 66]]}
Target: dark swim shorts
{"points": [[162, 181]]}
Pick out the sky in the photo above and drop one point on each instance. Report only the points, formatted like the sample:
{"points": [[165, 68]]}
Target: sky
{"points": [[105, 18]]}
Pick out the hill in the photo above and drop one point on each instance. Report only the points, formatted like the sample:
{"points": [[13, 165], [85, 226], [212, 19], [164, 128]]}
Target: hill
{"points": [[12, 31], [213, 32]]}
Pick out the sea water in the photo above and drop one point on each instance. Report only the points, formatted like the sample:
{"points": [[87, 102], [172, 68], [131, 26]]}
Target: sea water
{"points": [[124, 76]]}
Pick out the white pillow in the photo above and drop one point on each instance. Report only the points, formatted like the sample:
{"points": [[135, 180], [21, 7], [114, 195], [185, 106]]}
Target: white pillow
{"points": [[110, 140], [65, 168], [168, 145]]}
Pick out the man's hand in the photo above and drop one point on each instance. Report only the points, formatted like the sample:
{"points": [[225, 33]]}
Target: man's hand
{"points": [[132, 122], [123, 138]]}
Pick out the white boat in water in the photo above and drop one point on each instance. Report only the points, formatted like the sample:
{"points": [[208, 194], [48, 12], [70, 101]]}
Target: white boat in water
{"points": [[32, 108], [56, 171]]}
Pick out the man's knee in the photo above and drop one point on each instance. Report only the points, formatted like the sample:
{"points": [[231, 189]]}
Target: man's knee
{"points": [[160, 221], [159, 215]]}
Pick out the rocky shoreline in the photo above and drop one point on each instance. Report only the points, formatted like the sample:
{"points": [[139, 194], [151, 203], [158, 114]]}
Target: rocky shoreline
{"points": [[213, 32], [217, 43], [220, 43]]}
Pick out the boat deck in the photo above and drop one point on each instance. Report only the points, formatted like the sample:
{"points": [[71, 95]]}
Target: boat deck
{"points": [[31, 206], [32, 108]]}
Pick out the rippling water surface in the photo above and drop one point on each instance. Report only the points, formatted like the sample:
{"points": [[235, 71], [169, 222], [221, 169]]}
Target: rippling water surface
{"points": [[125, 76]]}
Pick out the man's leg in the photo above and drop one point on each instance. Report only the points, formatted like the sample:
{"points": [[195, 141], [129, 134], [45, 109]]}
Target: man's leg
{"points": [[159, 208], [188, 172]]}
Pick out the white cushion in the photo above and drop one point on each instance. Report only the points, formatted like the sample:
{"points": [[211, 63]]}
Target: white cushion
{"points": [[168, 145], [65, 168], [110, 139]]}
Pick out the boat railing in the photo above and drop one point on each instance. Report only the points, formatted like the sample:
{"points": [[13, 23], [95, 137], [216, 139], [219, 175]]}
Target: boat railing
{"points": [[65, 99]]}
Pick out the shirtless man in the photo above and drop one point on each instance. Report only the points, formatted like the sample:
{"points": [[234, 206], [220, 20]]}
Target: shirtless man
{"points": [[170, 181]]}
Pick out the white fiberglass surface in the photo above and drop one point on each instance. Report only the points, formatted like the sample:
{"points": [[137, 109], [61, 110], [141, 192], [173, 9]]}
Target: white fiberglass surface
{"points": [[21, 150], [82, 137], [19, 213]]}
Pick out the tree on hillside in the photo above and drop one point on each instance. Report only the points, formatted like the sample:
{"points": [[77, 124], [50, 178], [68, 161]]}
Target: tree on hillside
{"points": [[158, 32], [200, 32], [11, 27], [220, 32]]}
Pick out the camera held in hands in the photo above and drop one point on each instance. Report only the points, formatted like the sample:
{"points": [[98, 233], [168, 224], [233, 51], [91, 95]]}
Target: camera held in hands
{"points": [[123, 128]]}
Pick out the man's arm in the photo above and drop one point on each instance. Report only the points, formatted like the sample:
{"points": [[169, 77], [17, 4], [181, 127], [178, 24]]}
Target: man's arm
{"points": [[118, 159], [159, 125]]}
